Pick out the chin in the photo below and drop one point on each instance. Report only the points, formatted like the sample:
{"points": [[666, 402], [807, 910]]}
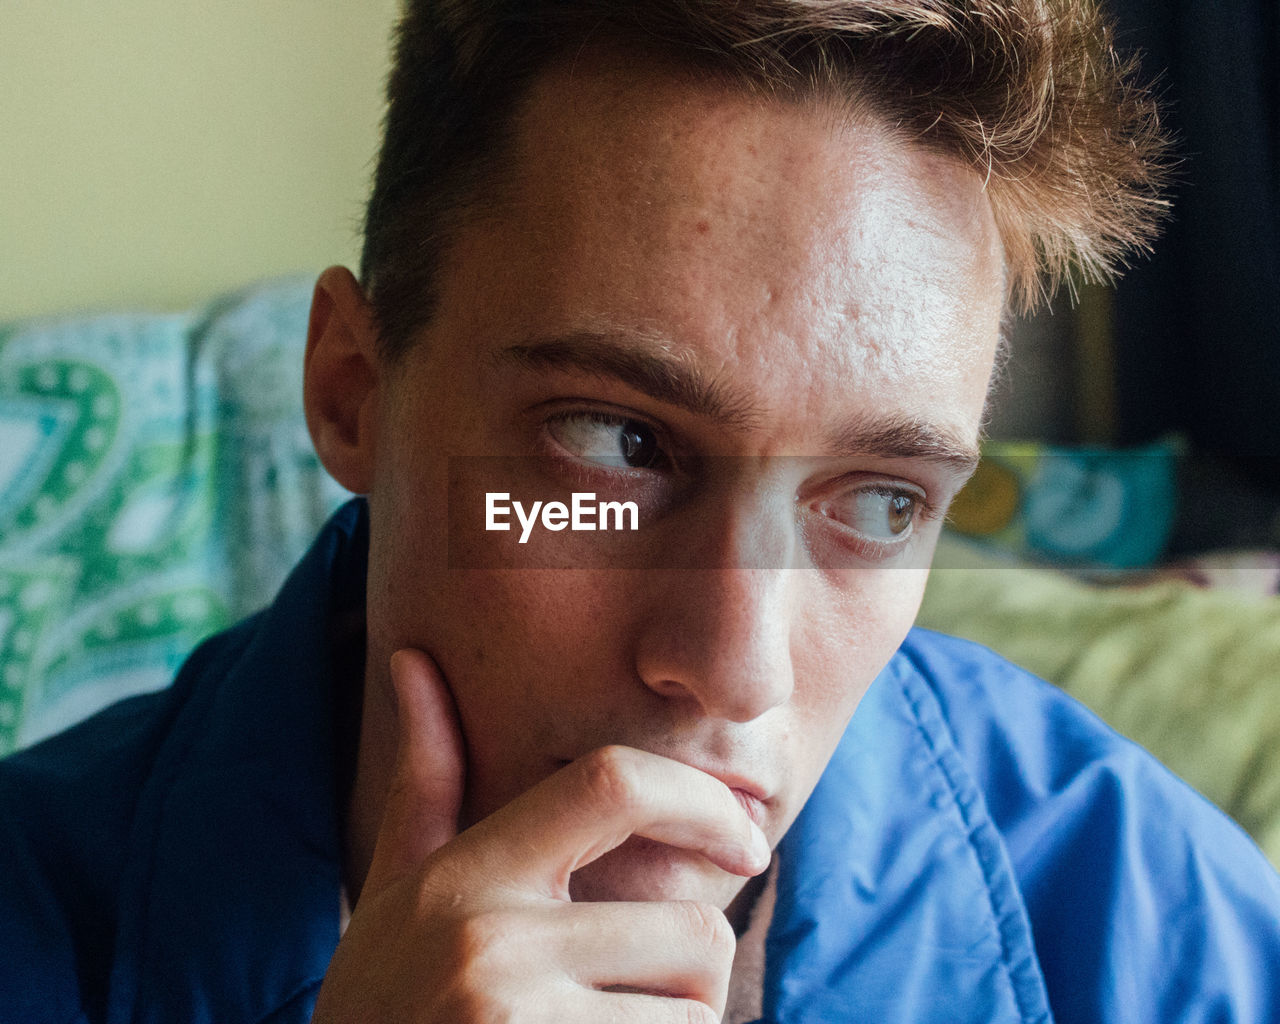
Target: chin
{"points": [[641, 870]]}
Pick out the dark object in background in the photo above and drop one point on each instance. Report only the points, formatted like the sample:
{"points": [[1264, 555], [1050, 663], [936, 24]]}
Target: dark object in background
{"points": [[1222, 503], [1197, 329]]}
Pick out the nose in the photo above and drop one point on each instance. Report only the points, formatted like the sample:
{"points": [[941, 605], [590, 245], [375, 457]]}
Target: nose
{"points": [[720, 636]]}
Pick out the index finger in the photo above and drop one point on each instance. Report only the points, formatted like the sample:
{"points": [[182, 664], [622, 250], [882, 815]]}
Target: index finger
{"points": [[595, 804]]}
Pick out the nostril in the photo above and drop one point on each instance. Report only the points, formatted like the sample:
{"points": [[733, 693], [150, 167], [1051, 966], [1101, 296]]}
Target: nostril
{"points": [[722, 638]]}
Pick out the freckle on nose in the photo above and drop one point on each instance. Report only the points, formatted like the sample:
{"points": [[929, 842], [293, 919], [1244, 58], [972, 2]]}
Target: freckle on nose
{"points": [[703, 227]]}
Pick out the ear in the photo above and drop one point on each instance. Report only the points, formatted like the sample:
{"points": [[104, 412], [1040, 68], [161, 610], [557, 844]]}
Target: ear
{"points": [[342, 376]]}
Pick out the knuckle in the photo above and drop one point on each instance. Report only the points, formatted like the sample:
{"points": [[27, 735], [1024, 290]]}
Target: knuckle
{"points": [[440, 879], [609, 777], [700, 1013], [484, 939], [482, 949], [708, 926]]}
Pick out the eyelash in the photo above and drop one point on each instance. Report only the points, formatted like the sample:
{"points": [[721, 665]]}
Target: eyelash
{"points": [[613, 419], [926, 510], [602, 416]]}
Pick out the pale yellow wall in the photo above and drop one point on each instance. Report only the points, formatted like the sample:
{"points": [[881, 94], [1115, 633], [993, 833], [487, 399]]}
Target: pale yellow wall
{"points": [[154, 152]]}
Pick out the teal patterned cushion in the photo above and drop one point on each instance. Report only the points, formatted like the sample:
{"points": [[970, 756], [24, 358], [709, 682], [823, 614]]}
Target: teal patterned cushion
{"points": [[156, 484]]}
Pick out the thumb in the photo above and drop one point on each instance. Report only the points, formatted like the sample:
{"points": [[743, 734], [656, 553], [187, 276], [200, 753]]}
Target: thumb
{"points": [[425, 794]]}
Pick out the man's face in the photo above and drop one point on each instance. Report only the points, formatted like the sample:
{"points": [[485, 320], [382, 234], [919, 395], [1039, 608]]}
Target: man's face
{"points": [[769, 327]]}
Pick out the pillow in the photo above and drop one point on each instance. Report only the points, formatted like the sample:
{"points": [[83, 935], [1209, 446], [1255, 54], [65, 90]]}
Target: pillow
{"points": [[1102, 507], [156, 484], [1190, 674]]}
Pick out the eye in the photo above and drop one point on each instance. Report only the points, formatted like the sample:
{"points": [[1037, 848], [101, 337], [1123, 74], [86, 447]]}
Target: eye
{"points": [[880, 514], [608, 440]]}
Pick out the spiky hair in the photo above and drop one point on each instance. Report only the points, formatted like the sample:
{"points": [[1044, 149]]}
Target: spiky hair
{"points": [[1031, 93]]}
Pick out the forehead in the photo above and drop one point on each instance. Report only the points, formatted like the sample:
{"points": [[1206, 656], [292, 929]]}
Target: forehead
{"points": [[789, 240]]}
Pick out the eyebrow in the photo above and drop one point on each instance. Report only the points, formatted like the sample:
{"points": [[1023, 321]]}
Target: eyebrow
{"points": [[906, 438], [650, 366], [655, 368]]}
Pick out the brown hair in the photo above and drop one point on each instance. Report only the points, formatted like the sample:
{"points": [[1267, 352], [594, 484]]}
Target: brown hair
{"points": [[1029, 92]]}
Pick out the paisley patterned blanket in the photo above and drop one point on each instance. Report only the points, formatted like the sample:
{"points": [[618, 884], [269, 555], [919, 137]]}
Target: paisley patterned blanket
{"points": [[156, 483]]}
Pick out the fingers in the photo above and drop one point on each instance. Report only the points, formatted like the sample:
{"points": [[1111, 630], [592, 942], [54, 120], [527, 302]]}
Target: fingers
{"points": [[565, 956], [596, 803], [645, 1009], [478, 925], [679, 949], [425, 795]]}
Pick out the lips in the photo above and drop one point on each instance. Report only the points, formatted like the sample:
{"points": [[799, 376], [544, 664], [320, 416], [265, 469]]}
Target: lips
{"points": [[752, 804], [751, 796]]}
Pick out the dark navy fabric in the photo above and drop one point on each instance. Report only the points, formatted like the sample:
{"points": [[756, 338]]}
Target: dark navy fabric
{"points": [[980, 849], [176, 858]]}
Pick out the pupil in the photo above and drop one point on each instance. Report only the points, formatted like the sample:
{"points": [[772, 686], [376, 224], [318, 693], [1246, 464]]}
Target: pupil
{"points": [[637, 447]]}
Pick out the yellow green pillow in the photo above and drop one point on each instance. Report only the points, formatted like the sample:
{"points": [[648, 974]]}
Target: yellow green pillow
{"points": [[1191, 674]]}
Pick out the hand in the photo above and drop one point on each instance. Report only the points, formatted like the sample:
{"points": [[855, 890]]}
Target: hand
{"points": [[478, 926]]}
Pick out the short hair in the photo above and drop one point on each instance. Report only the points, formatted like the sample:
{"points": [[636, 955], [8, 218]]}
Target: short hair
{"points": [[1030, 93]]}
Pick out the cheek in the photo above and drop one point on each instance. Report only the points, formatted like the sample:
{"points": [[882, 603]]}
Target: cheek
{"points": [[500, 632], [845, 636], [526, 656]]}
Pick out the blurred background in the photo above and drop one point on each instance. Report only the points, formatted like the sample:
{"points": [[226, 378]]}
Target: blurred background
{"points": [[1188, 344], [156, 153], [175, 175]]}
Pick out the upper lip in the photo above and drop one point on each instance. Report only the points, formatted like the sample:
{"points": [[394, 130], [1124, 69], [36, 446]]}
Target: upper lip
{"points": [[734, 781], [750, 795]]}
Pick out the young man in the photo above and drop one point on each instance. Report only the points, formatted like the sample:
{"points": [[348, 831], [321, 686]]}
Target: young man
{"points": [[740, 269]]}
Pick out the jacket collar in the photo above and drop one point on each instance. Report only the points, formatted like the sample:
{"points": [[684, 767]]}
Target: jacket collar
{"points": [[897, 901]]}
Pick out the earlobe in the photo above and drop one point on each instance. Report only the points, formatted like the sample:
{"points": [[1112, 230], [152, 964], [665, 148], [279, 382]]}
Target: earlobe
{"points": [[341, 379]]}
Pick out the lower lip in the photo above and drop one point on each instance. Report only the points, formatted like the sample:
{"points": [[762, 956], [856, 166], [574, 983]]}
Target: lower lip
{"points": [[753, 805]]}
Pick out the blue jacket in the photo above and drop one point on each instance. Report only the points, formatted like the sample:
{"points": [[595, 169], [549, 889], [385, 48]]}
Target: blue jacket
{"points": [[980, 849]]}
